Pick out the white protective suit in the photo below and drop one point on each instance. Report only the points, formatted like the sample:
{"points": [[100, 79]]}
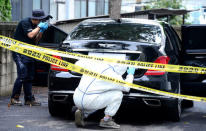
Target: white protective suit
{"points": [[93, 94]]}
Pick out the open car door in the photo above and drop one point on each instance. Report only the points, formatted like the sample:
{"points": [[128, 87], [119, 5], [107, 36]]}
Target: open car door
{"points": [[51, 38], [193, 54]]}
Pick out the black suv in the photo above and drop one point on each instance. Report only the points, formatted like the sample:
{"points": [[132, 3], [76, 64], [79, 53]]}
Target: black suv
{"points": [[142, 40]]}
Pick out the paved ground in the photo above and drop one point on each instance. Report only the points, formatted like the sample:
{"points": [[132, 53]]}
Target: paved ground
{"points": [[134, 119]]}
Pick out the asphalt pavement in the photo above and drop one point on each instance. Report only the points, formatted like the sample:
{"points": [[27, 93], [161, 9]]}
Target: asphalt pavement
{"points": [[131, 118]]}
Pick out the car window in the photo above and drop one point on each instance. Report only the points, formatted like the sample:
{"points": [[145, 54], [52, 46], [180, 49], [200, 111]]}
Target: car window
{"points": [[168, 46], [194, 38], [172, 39], [53, 35], [126, 32], [177, 38]]}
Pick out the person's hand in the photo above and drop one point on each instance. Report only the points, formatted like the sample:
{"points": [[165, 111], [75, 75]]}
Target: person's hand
{"points": [[43, 26], [42, 29], [131, 70]]}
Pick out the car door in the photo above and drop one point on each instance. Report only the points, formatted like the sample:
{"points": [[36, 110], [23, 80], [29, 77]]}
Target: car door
{"points": [[194, 54], [51, 38], [172, 50], [173, 45]]}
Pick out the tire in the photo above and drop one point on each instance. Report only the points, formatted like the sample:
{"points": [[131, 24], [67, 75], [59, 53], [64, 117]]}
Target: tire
{"points": [[174, 107], [174, 110], [53, 108], [187, 104]]}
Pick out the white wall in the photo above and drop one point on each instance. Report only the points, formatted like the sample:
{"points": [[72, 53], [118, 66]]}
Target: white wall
{"points": [[71, 9], [128, 6], [197, 16]]}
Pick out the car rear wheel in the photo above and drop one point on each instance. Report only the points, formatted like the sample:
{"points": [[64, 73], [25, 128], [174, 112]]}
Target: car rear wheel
{"points": [[54, 108], [187, 104], [174, 108]]}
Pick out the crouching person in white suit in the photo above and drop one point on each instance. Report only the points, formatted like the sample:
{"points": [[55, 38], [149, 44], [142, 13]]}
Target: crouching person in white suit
{"points": [[93, 94]]}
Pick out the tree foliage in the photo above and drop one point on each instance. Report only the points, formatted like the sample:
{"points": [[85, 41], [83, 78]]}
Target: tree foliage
{"points": [[5, 10], [170, 4]]}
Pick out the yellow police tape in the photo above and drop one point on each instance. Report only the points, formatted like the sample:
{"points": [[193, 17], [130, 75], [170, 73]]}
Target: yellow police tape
{"points": [[136, 64], [19, 126], [37, 54]]}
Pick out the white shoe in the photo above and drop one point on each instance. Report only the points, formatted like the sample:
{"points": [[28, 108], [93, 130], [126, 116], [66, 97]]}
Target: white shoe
{"points": [[109, 124], [79, 118]]}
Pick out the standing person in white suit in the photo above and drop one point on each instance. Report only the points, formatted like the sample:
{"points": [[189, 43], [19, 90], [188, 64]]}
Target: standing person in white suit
{"points": [[93, 94]]}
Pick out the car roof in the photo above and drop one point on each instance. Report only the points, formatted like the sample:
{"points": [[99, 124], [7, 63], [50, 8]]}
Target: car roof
{"points": [[122, 20]]}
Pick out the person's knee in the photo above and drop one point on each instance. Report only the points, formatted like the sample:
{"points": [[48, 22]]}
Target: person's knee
{"points": [[27, 77]]}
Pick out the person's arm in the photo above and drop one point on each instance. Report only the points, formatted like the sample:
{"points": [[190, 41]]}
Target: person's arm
{"points": [[43, 27], [38, 37], [112, 73], [28, 31], [33, 33], [129, 78]]}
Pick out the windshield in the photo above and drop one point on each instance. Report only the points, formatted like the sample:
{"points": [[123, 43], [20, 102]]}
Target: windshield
{"points": [[118, 31]]}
